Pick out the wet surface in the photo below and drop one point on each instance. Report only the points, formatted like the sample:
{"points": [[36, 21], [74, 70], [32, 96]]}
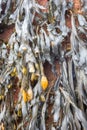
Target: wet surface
{"points": [[5, 34]]}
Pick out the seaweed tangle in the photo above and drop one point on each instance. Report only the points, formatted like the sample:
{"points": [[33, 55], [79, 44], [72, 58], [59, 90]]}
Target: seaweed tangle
{"points": [[39, 36]]}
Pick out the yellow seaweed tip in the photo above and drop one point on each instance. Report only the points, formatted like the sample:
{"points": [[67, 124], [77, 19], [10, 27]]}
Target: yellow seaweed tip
{"points": [[27, 96], [9, 86], [14, 72], [44, 82], [24, 70]]}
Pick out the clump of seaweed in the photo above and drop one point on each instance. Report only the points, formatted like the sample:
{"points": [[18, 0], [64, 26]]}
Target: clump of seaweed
{"points": [[40, 32]]}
